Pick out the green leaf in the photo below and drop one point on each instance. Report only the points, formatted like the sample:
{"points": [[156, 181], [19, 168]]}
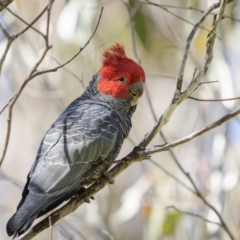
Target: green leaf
{"points": [[170, 223]]}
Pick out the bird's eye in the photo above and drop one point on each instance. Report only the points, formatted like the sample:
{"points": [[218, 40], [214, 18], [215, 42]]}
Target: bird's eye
{"points": [[121, 79]]}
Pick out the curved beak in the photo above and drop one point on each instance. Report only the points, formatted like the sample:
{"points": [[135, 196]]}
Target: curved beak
{"points": [[136, 91]]}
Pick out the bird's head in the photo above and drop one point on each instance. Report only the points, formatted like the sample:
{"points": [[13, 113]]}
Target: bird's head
{"points": [[120, 77]]}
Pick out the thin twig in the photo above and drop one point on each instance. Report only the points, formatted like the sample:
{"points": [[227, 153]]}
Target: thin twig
{"points": [[175, 15], [195, 215], [172, 176], [80, 50], [194, 9], [70, 72], [9, 43], [194, 74], [49, 7], [214, 100], [7, 35], [13, 101], [14, 37], [191, 136], [30, 25], [187, 47], [22, 20]]}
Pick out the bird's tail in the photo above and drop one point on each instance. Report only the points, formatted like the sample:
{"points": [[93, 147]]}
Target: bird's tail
{"points": [[22, 220], [15, 226], [30, 208]]}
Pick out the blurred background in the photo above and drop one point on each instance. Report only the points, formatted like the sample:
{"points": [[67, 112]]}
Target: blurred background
{"points": [[136, 206]]}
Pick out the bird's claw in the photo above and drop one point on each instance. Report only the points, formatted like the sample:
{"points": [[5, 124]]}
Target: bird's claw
{"points": [[82, 190], [86, 200], [108, 176]]}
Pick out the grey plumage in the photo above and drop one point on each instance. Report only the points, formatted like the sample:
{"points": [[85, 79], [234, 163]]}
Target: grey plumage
{"points": [[92, 128]]}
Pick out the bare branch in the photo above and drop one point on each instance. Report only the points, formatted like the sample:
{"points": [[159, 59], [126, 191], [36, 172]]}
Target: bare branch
{"points": [[70, 72], [193, 135], [12, 38], [195, 215], [165, 140], [9, 43], [49, 7], [214, 100], [3, 58], [7, 35], [178, 96], [175, 15], [4, 4], [22, 20], [194, 9], [189, 41], [30, 25], [172, 176], [13, 101], [80, 50]]}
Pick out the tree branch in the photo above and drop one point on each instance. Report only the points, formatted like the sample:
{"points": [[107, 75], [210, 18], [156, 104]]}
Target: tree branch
{"points": [[4, 4], [14, 37], [178, 95], [191, 136]]}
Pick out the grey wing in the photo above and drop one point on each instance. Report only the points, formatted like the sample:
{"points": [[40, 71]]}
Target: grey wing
{"points": [[76, 140]]}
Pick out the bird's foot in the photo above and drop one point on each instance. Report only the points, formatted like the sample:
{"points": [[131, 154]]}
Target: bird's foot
{"points": [[86, 200], [80, 191], [108, 176]]}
